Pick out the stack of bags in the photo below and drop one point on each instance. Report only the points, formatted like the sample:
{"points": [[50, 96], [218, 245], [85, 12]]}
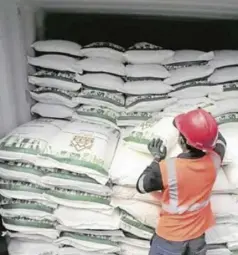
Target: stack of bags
{"points": [[144, 87], [86, 85], [68, 186], [54, 187], [54, 81]]}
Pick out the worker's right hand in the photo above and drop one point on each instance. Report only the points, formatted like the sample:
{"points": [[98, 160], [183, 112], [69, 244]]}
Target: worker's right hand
{"points": [[157, 148]]}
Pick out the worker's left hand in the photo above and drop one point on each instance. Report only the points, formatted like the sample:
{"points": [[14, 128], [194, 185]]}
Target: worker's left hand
{"points": [[157, 148]]}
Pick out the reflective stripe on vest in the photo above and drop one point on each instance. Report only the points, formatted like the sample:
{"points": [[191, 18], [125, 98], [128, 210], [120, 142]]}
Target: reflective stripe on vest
{"points": [[173, 206]]}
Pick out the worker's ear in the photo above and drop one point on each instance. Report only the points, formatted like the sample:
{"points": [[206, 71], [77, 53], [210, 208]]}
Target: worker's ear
{"points": [[182, 142]]}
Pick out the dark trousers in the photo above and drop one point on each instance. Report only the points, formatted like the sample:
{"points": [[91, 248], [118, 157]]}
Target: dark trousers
{"points": [[160, 246], [3, 246]]}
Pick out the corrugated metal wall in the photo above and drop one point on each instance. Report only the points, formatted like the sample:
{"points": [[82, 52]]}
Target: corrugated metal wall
{"points": [[14, 108]]}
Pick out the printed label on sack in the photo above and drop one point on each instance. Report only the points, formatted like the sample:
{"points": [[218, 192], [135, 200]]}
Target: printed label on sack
{"points": [[145, 46], [132, 79], [26, 222], [131, 221], [104, 45], [60, 92], [228, 117], [113, 98], [144, 132], [230, 86], [143, 116], [89, 238], [32, 138], [59, 75], [133, 100], [71, 176], [21, 186], [10, 203], [74, 195], [98, 112], [180, 65], [191, 83]]}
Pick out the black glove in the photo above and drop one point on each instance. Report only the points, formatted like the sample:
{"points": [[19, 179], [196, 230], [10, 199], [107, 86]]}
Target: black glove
{"points": [[157, 149]]}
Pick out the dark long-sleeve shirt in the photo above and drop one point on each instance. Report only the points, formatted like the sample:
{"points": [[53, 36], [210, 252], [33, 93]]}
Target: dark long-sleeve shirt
{"points": [[151, 179]]}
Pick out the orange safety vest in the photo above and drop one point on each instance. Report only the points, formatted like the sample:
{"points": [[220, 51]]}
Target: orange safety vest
{"points": [[186, 210]]}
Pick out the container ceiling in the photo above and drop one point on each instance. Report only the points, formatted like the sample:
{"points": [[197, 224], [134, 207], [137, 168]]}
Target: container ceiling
{"points": [[211, 9]]}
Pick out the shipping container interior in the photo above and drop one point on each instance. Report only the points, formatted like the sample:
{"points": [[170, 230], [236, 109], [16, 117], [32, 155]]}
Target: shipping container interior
{"points": [[211, 27]]}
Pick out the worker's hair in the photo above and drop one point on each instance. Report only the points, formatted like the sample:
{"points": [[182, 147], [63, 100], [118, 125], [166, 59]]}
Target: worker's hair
{"points": [[187, 146]]}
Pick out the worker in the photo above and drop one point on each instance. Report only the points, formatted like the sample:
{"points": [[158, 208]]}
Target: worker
{"points": [[184, 184]]}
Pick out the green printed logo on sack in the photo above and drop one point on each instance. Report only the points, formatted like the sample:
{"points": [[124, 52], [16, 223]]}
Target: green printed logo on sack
{"points": [[21, 186], [143, 116], [83, 155], [130, 225], [18, 167], [98, 112], [74, 195], [16, 143], [26, 222], [89, 238], [144, 132], [227, 118], [113, 98], [9, 204]]}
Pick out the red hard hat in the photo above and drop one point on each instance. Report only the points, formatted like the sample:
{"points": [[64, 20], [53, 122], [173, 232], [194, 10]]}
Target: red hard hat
{"points": [[199, 128]]}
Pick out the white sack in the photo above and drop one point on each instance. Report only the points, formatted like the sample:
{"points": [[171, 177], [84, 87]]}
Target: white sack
{"points": [[52, 82], [147, 214], [55, 62], [148, 103], [224, 58], [222, 233], [57, 144], [157, 127], [183, 56], [58, 46], [131, 193], [128, 174], [146, 53], [88, 243], [130, 225], [102, 81], [52, 111], [227, 90], [86, 219], [223, 75], [77, 199], [146, 87], [55, 96], [104, 50], [102, 65], [114, 101], [26, 226], [19, 247], [146, 71], [188, 74], [97, 114]]}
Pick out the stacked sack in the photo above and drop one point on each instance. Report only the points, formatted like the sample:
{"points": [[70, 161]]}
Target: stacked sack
{"points": [[103, 68], [144, 87], [54, 188], [54, 81]]}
